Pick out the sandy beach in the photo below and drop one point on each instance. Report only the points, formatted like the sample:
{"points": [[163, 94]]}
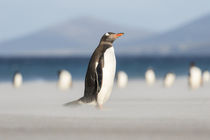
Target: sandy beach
{"points": [[138, 111]]}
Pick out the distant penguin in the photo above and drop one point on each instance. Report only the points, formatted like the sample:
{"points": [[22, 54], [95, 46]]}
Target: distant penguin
{"points": [[100, 74], [64, 80], [150, 76], [122, 79], [17, 79], [169, 79], [206, 76], [195, 76]]}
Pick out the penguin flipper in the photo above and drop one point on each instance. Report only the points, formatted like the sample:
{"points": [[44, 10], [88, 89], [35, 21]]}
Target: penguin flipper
{"points": [[99, 73], [93, 79]]}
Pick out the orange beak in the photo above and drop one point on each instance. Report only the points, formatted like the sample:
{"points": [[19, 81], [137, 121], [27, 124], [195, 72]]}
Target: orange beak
{"points": [[119, 34]]}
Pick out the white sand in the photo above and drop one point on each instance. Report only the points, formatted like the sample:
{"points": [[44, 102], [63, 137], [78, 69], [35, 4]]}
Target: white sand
{"points": [[35, 111]]}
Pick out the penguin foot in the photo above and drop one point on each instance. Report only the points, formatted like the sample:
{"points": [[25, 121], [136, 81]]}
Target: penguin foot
{"points": [[100, 107]]}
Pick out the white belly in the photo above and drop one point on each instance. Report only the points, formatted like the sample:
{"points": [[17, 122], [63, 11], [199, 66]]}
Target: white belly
{"points": [[18, 80], [65, 80], [108, 76], [169, 80], [195, 77], [206, 76], [122, 79], [150, 76]]}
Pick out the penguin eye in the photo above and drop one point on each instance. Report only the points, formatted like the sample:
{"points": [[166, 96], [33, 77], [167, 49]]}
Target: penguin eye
{"points": [[106, 34]]}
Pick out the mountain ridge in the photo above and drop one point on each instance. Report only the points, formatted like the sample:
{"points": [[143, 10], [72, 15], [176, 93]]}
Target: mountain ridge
{"points": [[191, 38], [78, 36], [81, 36]]}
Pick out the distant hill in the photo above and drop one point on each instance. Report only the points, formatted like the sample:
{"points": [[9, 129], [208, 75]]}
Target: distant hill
{"points": [[79, 36], [82, 35], [191, 39]]}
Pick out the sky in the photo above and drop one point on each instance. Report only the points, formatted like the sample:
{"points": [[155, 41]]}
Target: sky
{"points": [[22, 17]]}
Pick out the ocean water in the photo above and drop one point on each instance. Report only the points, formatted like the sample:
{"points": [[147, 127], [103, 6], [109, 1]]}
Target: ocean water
{"points": [[42, 68]]}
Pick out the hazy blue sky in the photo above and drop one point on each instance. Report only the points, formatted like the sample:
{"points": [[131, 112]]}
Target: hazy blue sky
{"points": [[20, 17]]}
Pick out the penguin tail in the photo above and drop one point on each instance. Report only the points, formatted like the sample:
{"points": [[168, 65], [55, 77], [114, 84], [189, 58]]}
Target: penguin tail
{"points": [[73, 103]]}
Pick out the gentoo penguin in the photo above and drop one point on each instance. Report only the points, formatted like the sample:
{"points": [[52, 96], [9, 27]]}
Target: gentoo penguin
{"points": [[122, 79], [206, 76], [169, 79], [195, 76], [64, 80], [17, 79], [150, 76], [100, 74]]}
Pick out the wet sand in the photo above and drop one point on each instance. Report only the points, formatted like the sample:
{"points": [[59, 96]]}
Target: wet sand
{"points": [[138, 111]]}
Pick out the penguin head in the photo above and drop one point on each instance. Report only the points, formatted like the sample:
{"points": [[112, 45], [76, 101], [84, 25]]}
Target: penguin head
{"points": [[110, 37], [58, 72], [192, 64], [16, 72]]}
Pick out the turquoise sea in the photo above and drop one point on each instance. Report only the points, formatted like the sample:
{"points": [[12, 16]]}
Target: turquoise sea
{"points": [[45, 68]]}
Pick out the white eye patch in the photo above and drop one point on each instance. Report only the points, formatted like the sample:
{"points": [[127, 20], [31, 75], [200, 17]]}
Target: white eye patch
{"points": [[106, 34]]}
